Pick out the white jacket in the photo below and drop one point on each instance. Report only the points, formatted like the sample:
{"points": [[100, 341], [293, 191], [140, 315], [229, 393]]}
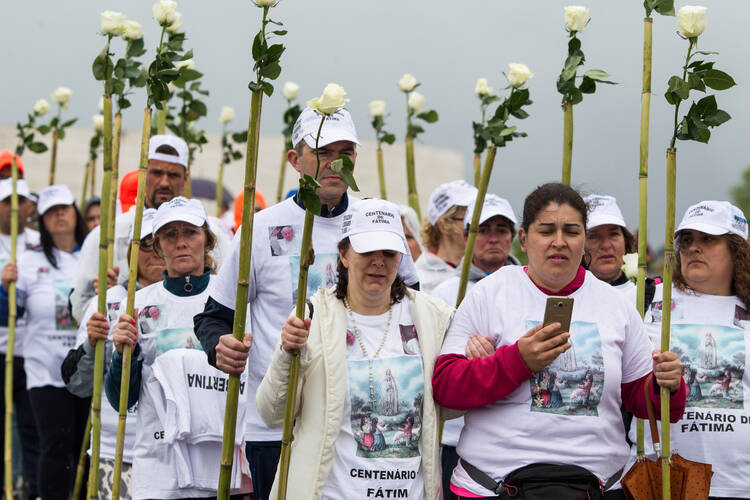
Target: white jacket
{"points": [[322, 392]]}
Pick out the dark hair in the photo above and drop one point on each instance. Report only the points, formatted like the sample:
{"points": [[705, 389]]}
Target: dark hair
{"points": [[94, 200], [552, 192], [167, 150], [45, 238], [398, 287], [503, 220], [740, 250], [211, 241]]}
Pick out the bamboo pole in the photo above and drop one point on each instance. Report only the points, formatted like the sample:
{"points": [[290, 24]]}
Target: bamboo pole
{"points": [[477, 168], [381, 172], [282, 174], [96, 402], [135, 245], [53, 156], [12, 311], [116, 135], [81, 469], [243, 281], [643, 195], [188, 191], [161, 114], [85, 185], [92, 176], [220, 189], [567, 156], [411, 178]]}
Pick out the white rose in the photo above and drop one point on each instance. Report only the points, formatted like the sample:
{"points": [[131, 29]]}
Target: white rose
{"points": [[290, 90], [331, 101], [170, 87], [132, 31], [187, 63], [98, 122], [691, 20], [416, 100], [576, 18], [482, 87], [41, 107], [265, 3], [630, 265], [175, 25], [226, 115], [518, 74], [407, 83], [377, 108], [61, 95], [113, 23], [164, 11]]}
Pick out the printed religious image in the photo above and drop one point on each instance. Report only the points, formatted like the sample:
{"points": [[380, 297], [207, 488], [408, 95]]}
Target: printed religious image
{"points": [[741, 318], [572, 384], [151, 319], [176, 338], [656, 311], [321, 274], [713, 364], [386, 414], [285, 240], [409, 339], [63, 316]]}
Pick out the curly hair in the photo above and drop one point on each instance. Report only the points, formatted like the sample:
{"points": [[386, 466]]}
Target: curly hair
{"points": [[398, 287], [211, 240], [740, 250], [431, 233]]}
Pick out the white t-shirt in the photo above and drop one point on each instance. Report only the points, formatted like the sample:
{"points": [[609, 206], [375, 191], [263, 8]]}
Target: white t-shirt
{"points": [[50, 332], [378, 451], [110, 416], [626, 288], [432, 271], [160, 469], [569, 412], [25, 241], [272, 293], [711, 334]]}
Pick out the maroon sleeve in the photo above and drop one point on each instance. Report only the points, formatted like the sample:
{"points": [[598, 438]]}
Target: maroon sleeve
{"points": [[634, 399], [462, 384]]}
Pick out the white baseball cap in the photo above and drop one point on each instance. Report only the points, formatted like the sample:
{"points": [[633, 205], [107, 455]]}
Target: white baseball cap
{"points": [[714, 217], [147, 223], [374, 224], [603, 209], [179, 209], [6, 188], [447, 195], [168, 140], [337, 127], [51, 196], [493, 206]]}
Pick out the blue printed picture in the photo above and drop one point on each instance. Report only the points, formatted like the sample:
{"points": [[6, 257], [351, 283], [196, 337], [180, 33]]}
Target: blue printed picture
{"points": [[63, 316], [176, 338], [573, 383], [713, 364], [386, 413], [321, 274]]}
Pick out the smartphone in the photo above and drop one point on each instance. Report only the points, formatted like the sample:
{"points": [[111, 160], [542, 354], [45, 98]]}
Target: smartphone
{"points": [[559, 310]]}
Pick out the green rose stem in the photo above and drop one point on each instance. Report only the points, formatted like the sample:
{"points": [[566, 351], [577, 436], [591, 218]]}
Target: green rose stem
{"points": [[116, 135], [411, 178], [12, 311], [648, 23], [92, 176], [96, 401], [84, 190], [220, 179], [135, 245], [477, 168], [307, 257], [81, 468], [567, 155], [381, 171], [53, 154], [282, 170]]}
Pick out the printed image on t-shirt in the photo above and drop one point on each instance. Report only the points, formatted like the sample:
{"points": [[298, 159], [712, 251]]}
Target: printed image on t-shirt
{"points": [[386, 412], [741, 318], [285, 240], [656, 311], [572, 384], [113, 312], [176, 338], [63, 316], [322, 274], [151, 319], [713, 364], [409, 339]]}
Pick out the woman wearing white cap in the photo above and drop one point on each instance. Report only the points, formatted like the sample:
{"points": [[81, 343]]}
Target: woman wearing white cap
{"points": [[411, 230], [442, 233], [44, 279], [170, 379], [366, 424], [78, 367], [711, 329]]}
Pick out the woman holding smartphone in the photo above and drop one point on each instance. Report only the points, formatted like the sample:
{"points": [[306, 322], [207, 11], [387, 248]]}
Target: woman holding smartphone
{"points": [[513, 423]]}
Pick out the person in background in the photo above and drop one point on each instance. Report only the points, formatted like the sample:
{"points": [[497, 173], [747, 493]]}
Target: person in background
{"points": [[260, 204], [92, 212], [6, 163], [442, 233], [27, 239], [411, 229]]}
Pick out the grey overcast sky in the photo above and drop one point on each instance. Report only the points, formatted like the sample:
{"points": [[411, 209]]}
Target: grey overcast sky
{"points": [[367, 45]]}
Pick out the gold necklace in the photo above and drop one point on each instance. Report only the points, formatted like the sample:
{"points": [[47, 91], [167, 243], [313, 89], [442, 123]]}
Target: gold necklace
{"points": [[364, 350]]}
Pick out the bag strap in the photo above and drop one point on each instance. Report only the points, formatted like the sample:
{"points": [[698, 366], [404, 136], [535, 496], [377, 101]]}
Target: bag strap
{"points": [[651, 411], [481, 478]]}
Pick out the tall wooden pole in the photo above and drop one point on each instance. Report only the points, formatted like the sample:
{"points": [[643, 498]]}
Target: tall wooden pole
{"points": [[567, 156]]}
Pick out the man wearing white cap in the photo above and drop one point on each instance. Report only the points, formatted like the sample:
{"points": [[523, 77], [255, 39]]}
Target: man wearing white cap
{"points": [[166, 176], [274, 272], [497, 227], [27, 238], [442, 233]]}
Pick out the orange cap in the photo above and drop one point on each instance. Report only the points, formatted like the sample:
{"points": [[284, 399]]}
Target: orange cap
{"points": [[6, 159], [128, 190], [260, 201]]}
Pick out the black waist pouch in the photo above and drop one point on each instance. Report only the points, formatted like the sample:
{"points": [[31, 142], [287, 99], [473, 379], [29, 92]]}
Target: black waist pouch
{"points": [[541, 482]]}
